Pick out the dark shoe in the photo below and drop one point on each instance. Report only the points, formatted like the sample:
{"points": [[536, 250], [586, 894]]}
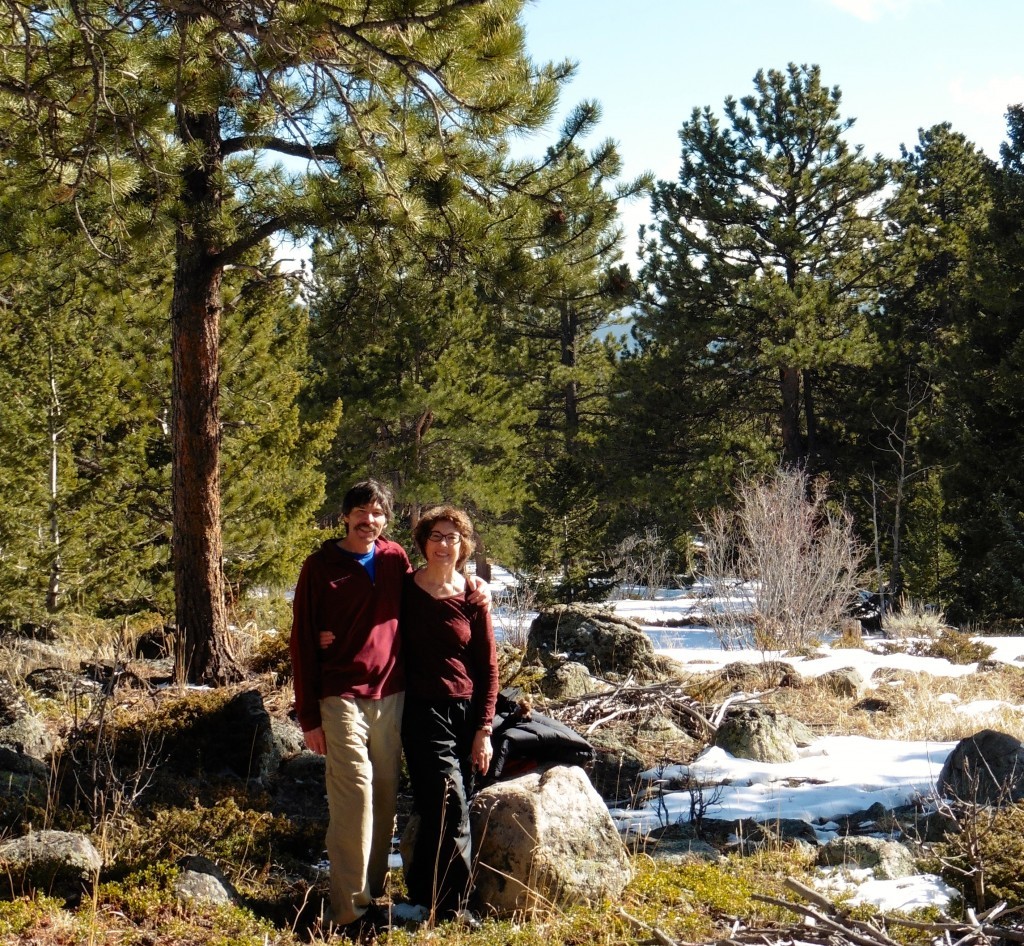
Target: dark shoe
{"points": [[377, 916], [364, 929]]}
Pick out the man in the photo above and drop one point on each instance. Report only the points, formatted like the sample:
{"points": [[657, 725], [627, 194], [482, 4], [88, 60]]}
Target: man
{"points": [[349, 692]]}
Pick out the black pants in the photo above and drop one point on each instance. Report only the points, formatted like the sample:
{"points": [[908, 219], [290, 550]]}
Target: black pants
{"points": [[437, 737]]}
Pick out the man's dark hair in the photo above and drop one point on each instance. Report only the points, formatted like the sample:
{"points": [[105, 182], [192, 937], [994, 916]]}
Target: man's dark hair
{"points": [[365, 494]]}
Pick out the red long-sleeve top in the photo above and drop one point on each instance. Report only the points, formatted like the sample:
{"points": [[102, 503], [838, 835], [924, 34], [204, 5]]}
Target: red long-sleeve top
{"points": [[335, 593], [448, 648]]}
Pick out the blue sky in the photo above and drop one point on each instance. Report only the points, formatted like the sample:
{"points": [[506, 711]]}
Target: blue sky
{"points": [[901, 65]]}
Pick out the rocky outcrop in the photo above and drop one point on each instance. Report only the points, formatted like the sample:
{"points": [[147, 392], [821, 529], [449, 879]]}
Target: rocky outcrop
{"points": [[25, 748], [569, 680], [887, 860], [759, 733], [742, 676], [607, 645], [200, 880], [845, 681]]}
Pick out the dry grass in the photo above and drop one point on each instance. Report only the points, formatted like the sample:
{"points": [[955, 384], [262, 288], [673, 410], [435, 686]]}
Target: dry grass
{"points": [[915, 619], [911, 706]]}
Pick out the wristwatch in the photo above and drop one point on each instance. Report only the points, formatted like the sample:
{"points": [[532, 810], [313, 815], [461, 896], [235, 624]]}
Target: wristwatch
{"points": [[487, 729]]}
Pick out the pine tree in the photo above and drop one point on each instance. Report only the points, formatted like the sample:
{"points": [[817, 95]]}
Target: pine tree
{"points": [[763, 263], [238, 122], [901, 421], [85, 508], [983, 405], [399, 340], [273, 484], [562, 310], [465, 355]]}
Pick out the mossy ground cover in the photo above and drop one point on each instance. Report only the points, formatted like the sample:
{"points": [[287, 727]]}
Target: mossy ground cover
{"points": [[696, 901]]}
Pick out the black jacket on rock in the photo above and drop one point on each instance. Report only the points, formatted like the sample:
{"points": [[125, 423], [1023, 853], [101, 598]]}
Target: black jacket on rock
{"points": [[523, 740]]}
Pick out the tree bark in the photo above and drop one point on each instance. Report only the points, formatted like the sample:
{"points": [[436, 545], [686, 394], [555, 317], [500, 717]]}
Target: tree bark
{"points": [[480, 561], [789, 388], [205, 653], [810, 420]]}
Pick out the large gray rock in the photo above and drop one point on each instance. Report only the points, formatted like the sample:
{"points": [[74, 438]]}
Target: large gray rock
{"points": [[743, 676], [59, 863], [887, 860], [759, 733], [677, 844], [844, 681], [984, 769], [545, 839], [201, 881], [29, 737], [25, 746], [305, 768], [59, 682], [287, 738], [232, 739], [569, 680], [607, 645], [12, 704], [259, 752], [34, 653]]}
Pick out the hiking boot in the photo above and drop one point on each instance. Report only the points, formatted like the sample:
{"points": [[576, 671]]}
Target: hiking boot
{"points": [[364, 929]]}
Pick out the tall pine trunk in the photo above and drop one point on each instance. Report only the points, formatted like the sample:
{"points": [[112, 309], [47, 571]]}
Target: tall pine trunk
{"points": [[789, 417], [204, 648]]}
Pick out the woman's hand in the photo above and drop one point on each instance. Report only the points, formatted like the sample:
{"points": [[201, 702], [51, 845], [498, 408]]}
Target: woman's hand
{"points": [[326, 639], [482, 751]]}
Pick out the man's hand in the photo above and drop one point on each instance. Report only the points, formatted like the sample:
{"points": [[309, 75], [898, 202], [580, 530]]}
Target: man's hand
{"points": [[316, 741], [479, 592], [326, 639]]}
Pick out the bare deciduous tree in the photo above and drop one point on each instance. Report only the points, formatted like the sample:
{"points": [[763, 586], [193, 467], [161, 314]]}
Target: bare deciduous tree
{"points": [[641, 564], [784, 564]]}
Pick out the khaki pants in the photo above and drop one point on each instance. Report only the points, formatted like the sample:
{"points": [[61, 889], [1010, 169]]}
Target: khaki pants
{"points": [[364, 753]]}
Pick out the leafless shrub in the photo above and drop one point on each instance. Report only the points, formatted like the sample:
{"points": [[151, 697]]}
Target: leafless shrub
{"points": [[515, 609], [967, 853], [105, 788], [785, 564], [641, 564], [703, 798]]}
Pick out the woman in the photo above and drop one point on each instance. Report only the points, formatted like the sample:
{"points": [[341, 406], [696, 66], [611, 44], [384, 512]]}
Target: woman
{"points": [[451, 689]]}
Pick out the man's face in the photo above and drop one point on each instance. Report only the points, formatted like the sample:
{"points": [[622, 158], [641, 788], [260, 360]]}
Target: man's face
{"points": [[365, 524]]}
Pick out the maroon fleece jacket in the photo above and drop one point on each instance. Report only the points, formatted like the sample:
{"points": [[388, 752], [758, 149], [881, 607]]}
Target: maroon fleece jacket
{"points": [[335, 593]]}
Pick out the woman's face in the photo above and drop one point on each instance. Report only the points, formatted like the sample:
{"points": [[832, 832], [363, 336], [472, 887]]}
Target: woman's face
{"points": [[444, 543]]}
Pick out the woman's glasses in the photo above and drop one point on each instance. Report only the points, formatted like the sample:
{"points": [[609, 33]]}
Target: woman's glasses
{"points": [[448, 538]]}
